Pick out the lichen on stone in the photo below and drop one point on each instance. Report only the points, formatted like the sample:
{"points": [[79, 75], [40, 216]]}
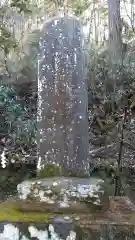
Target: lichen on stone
{"points": [[62, 193]]}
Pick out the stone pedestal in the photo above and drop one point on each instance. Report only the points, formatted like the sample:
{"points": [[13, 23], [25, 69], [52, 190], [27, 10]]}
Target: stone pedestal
{"points": [[62, 195], [117, 222]]}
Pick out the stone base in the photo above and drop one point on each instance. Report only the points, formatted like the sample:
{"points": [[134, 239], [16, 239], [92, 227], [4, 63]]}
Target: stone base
{"points": [[115, 222], [121, 204], [62, 195], [75, 207]]}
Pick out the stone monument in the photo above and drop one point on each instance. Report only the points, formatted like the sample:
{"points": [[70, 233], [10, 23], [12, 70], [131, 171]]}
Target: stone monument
{"points": [[62, 126], [62, 96]]}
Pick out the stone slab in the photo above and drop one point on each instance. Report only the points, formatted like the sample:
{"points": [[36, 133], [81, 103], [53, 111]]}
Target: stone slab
{"points": [[61, 194]]}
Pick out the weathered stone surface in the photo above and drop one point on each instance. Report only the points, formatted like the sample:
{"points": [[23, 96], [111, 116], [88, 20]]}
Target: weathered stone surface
{"points": [[62, 96], [60, 194], [122, 204]]}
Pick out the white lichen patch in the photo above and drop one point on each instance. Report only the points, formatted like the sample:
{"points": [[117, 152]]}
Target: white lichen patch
{"points": [[62, 191], [65, 202], [36, 191], [55, 183], [24, 189]]}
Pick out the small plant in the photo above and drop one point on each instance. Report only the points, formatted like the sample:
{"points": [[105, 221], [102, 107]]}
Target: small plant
{"points": [[50, 170], [72, 174], [108, 187]]}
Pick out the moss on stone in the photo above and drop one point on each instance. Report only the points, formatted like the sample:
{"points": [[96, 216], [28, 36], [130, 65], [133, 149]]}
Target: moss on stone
{"points": [[50, 170], [53, 170], [10, 211], [75, 175]]}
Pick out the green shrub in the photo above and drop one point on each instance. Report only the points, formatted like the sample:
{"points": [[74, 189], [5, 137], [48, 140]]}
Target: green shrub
{"points": [[50, 170]]}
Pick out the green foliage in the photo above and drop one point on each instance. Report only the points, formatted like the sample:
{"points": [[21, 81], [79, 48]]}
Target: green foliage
{"points": [[9, 100], [25, 133], [10, 107], [50, 170], [7, 42], [79, 6], [21, 5], [100, 75], [17, 122], [108, 187]]}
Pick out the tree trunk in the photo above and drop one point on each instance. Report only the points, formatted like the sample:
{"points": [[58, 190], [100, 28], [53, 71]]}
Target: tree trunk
{"points": [[115, 39], [115, 44]]}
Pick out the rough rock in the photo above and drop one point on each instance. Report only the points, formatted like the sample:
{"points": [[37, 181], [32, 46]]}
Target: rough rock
{"points": [[122, 205], [62, 195]]}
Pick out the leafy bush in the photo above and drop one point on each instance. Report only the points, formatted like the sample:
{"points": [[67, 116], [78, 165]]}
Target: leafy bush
{"points": [[50, 170], [18, 126], [101, 78]]}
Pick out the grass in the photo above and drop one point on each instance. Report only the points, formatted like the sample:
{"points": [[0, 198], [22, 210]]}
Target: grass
{"points": [[10, 212]]}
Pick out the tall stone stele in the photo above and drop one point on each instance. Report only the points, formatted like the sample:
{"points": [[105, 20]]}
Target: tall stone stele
{"points": [[62, 96]]}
